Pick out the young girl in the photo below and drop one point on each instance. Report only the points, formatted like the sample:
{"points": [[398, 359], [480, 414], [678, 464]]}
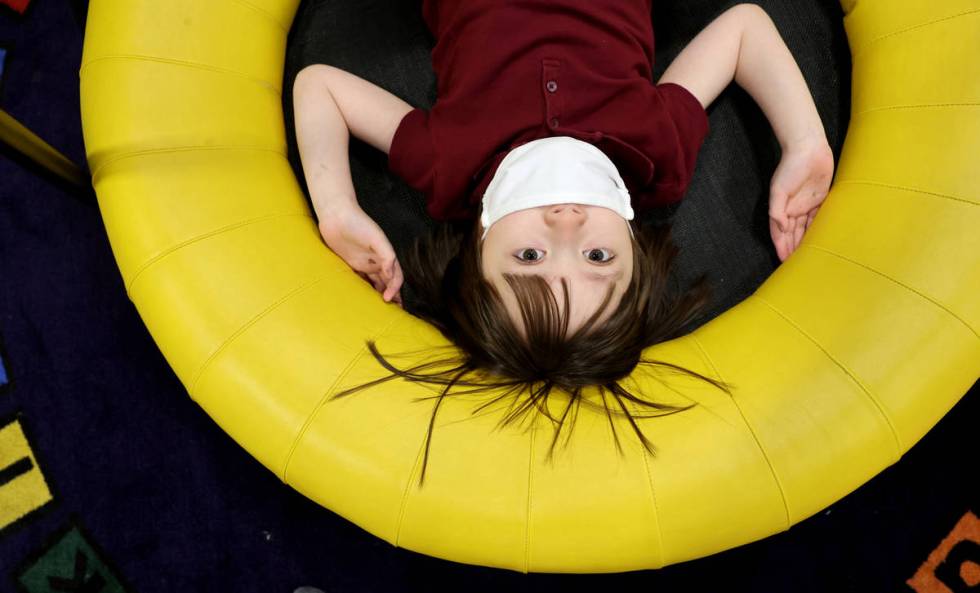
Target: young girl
{"points": [[546, 134]]}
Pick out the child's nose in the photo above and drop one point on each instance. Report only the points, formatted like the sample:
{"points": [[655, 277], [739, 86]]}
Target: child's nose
{"points": [[565, 214]]}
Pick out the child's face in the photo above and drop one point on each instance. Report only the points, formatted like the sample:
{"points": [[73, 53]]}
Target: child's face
{"points": [[575, 241]]}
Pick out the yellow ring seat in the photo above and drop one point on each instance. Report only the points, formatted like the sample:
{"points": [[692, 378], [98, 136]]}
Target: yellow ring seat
{"points": [[842, 360]]}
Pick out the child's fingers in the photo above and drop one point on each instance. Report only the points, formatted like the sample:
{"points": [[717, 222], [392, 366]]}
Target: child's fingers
{"points": [[395, 283], [372, 279], [382, 248], [810, 217], [777, 209], [779, 240], [389, 291], [399, 276], [377, 282], [789, 239], [392, 273], [389, 269], [798, 234], [780, 220], [774, 233]]}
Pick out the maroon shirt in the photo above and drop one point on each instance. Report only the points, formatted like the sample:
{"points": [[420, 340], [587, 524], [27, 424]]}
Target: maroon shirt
{"points": [[515, 71]]}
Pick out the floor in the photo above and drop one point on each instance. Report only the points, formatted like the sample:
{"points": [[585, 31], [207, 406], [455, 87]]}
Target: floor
{"points": [[112, 479]]}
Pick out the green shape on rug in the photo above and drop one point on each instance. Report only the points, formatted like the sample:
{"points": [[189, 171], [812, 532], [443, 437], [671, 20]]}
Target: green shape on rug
{"points": [[71, 564]]}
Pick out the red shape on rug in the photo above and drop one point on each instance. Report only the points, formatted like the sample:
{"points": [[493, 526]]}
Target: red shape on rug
{"points": [[18, 5]]}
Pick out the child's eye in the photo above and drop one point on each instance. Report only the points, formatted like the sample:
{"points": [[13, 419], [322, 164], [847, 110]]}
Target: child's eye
{"points": [[522, 252], [600, 260], [590, 255]]}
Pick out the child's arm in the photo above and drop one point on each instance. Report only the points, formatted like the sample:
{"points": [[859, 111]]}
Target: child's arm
{"points": [[743, 44], [327, 102]]}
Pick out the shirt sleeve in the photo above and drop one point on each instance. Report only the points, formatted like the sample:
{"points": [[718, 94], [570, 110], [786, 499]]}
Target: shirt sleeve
{"points": [[412, 152], [691, 125]]}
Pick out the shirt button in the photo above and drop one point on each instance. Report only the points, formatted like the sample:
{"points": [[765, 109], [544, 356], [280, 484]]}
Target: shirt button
{"points": [[552, 86], [553, 122]]}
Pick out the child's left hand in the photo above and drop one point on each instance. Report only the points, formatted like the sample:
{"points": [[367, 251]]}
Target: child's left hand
{"points": [[799, 185]]}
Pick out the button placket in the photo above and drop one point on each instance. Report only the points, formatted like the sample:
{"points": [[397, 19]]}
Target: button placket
{"points": [[553, 99]]}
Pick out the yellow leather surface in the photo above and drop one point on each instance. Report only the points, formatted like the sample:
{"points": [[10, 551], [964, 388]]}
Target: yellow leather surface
{"points": [[842, 360]]}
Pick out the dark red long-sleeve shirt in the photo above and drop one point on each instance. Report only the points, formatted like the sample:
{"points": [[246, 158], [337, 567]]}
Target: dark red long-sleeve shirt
{"points": [[513, 71]]}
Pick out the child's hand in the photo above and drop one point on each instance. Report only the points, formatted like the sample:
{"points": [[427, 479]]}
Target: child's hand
{"points": [[799, 185], [353, 235]]}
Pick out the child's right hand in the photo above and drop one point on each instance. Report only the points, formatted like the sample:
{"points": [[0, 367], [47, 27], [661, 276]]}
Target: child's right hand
{"points": [[353, 235]]}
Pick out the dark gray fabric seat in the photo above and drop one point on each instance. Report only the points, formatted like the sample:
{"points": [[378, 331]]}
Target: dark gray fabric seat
{"points": [[721, 226]]}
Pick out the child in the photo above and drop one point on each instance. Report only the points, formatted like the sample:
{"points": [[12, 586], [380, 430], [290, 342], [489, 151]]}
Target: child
{"points": [[542, 141]]}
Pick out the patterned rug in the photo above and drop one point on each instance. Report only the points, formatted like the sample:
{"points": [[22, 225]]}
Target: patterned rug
{"points": [[113, 480]]}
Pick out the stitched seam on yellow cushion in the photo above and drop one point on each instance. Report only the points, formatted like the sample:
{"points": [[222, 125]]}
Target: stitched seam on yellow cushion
{"points": [[186, 64], [333, 386], [900, 283], [653, 498], [248, 324], [264, 13], [223, 229], [416, 468], [127, 155], [911, 189], [633, 409], [915, 106], [912, 28], [881, 410], [765, 455]]}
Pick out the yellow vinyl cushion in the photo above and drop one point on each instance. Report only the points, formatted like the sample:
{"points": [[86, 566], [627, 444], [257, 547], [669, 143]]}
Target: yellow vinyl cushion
{"points": [[842, 360]]}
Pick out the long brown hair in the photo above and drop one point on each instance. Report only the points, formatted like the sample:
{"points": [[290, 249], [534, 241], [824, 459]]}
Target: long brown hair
{"points": [[444, 269]]}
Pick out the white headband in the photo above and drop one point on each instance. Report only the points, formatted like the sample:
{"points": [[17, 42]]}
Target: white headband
{"points": [[554, 170]]}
